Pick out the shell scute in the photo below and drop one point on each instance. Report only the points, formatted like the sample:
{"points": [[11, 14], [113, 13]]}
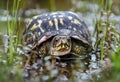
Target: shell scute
{"points": [[51, 24]]}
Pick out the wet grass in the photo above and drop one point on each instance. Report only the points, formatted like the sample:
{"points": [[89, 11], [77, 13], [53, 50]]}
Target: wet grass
{"points": [[107, 40]]}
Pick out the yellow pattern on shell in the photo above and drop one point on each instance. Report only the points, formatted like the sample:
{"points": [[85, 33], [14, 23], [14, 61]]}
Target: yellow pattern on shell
{"points": [[61, 21], [50, 23], [74, 29], [33, 27], [76, 21], [39, 33], [70, 18], [56, 23], [39, 25]]}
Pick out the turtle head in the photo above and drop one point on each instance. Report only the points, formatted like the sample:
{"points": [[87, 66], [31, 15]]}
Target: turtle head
{"points": [[61, 45]]}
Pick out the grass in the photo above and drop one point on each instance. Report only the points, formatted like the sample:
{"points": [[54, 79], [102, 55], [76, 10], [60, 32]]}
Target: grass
{"points": [[109, 43], [10, 61], [107, 40], [11, 29]]}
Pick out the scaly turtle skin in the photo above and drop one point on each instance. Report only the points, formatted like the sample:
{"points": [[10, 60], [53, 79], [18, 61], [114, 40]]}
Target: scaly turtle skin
{"points": [[58, 34]]}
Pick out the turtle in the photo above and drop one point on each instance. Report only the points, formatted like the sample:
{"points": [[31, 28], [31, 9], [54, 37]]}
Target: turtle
{"points": [[58, 33]]}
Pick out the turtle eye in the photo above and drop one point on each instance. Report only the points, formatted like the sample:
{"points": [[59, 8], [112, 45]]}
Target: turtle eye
{"points": [[56, 39], [69, 40]]}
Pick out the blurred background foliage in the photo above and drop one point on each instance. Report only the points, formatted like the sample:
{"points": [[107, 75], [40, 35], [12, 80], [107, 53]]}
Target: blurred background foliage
{"points": [[101, 16]]}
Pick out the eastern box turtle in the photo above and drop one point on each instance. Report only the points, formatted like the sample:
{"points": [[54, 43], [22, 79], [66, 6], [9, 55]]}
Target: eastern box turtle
{"points": [[58, 34]]}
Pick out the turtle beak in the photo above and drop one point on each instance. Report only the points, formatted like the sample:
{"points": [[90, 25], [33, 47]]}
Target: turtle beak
{"points": [[62, 45]]}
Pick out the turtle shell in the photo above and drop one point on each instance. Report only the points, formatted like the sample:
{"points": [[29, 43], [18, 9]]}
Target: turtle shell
{"points": [[42, 27]]}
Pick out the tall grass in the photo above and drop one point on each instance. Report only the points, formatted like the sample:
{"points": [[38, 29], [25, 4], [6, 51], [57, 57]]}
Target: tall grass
{"points": [[9, 65], [12, 25], [109, 43], [102, 27]]}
